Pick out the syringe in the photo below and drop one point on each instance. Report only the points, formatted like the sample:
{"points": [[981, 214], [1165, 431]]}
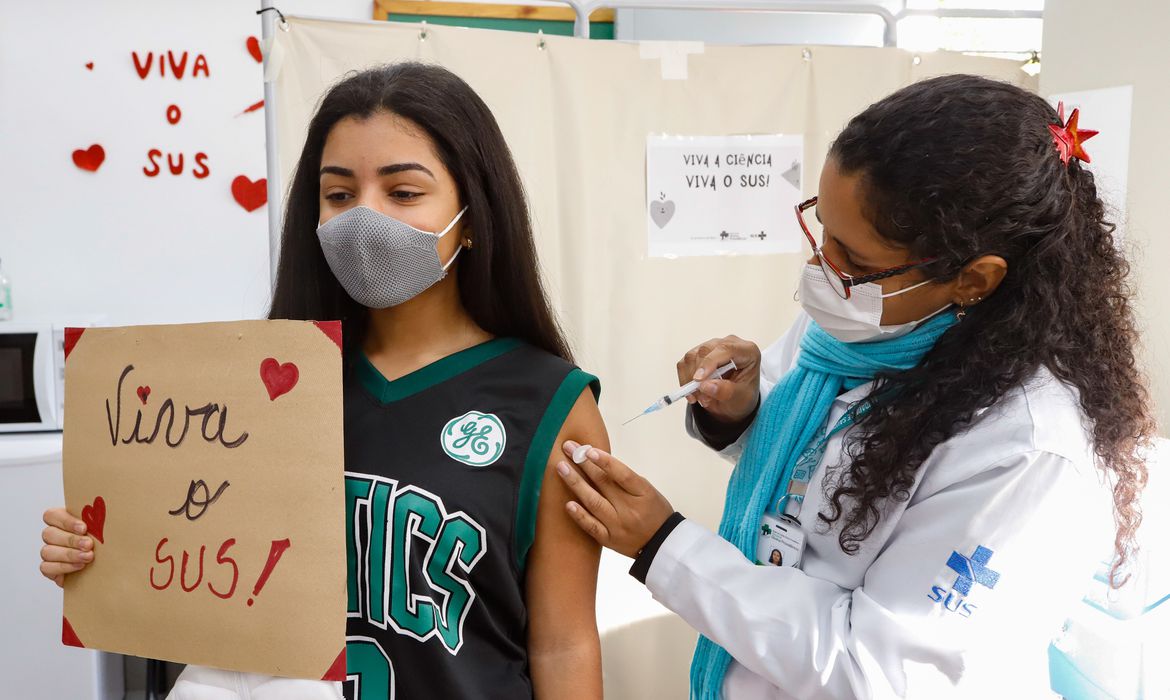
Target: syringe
{"points": [[683, 392]]}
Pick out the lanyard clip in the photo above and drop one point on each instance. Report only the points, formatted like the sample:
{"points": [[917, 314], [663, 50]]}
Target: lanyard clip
{"points": [[790, 505]]}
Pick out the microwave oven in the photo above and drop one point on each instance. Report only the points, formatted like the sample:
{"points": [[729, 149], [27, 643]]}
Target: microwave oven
{"points": [[32, 378]]}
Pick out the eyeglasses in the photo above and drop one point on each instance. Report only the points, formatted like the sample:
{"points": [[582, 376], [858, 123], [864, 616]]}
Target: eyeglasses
{"points": [[843, 282]]}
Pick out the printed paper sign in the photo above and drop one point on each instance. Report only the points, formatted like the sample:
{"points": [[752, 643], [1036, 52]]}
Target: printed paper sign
{"points": [[723, 195], [207, 463]]}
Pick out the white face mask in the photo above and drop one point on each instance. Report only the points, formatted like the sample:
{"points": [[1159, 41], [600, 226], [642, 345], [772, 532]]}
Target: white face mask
{"points": [[857, 319]]}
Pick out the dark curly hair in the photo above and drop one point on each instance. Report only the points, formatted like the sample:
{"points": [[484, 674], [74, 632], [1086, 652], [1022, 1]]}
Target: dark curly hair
{"points": [[961, 166]]}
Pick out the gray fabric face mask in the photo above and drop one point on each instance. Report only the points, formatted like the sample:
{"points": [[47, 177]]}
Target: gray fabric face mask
{"points": [[381, 261]]}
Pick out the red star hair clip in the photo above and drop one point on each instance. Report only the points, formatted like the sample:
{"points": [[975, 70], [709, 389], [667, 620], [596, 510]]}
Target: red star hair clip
{"points": [[1068, 137]]}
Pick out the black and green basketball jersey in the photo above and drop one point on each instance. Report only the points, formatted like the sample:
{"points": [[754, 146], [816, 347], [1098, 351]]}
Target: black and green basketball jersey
{"points": [[443, 470]]}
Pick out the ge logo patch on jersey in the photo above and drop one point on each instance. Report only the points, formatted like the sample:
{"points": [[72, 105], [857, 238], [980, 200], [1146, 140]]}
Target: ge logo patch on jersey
{"points": [[970, 571], [475, 439]]}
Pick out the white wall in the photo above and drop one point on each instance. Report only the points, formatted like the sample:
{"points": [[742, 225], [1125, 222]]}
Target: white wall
{"points": [[115, 246], [1089, 45]]}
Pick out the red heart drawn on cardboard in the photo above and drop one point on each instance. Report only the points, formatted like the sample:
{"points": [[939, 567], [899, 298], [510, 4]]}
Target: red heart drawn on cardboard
{"points": [[94, 517], [278, 379]]}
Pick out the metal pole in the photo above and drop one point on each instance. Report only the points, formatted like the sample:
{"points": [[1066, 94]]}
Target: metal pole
{"points": [[973, 14], [267, 26], [581, 25]]}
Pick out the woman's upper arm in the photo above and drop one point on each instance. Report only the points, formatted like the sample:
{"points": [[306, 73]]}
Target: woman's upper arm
{"points": [[562, 564]]}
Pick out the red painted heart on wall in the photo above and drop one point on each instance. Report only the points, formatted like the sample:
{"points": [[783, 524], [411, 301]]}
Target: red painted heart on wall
{"points": [[250, 195], [254, 49], [90, 159]]}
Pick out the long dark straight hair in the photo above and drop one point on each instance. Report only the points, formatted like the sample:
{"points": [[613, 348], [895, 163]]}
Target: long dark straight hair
{"points": [[499, 278]]}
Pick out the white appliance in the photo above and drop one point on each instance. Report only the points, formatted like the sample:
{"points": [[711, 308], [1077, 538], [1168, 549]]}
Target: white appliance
{"points": [[33, 662], [32, 378]]}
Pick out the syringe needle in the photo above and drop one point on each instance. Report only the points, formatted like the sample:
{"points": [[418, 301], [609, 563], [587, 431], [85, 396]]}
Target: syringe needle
{"points": [[651, 409], [635, 418]]}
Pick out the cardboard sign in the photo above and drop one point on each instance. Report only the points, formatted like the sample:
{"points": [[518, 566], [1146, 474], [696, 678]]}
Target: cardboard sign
{"points": [[207, 462]]}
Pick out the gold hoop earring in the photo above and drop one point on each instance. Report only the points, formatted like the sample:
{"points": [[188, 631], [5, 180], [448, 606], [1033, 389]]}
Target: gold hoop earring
{"points": [[963, 308]]}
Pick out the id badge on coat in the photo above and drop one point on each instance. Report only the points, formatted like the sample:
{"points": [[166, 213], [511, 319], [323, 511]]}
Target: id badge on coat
{"points": [[781, 541]]}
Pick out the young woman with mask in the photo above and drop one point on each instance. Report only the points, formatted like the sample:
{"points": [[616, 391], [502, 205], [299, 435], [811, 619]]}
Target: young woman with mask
{"points": [[944, 446], [407, 220]]}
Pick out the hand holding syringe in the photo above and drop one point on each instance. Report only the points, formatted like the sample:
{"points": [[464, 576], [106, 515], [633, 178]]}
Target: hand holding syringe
{"points": [[683, 392]]}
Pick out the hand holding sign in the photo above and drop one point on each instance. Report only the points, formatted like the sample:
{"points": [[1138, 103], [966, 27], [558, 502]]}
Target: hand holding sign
{"points": [[66, 549], [184, 485]]}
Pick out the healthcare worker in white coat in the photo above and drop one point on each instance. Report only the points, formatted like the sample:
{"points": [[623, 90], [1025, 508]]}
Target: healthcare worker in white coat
{"points": [[938, 455]]}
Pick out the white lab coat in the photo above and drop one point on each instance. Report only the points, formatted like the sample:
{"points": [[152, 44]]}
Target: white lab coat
{"points": [[1020, 482]]}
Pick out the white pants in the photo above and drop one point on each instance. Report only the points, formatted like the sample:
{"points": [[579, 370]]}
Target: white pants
{"points": [[202, 683]]}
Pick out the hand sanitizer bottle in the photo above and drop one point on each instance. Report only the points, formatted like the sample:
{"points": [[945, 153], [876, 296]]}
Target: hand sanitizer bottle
{"points": [[5, 298]]}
